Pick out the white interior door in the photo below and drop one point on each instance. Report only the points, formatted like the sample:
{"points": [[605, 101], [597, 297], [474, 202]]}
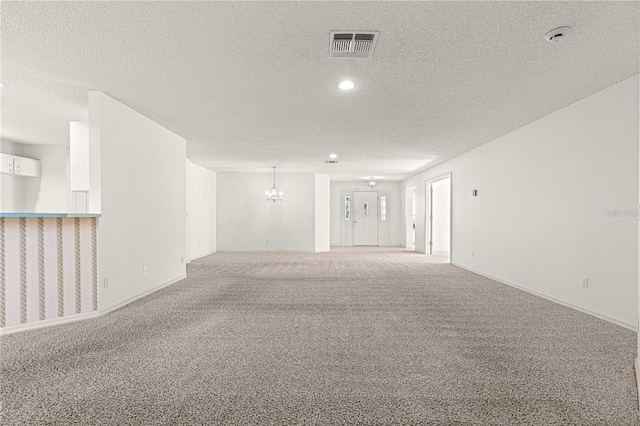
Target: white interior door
{"points": [[365, 218], [413, 218], [439, 218]]}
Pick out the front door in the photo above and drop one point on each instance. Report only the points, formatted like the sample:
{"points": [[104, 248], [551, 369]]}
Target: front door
{"points": [[365, 218]]}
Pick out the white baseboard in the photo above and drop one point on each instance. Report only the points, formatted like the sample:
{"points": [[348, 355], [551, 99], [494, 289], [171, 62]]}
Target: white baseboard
{"points": [[268, 250], [87, 315], [616, 321], [128, 300], [202, 255], [379, 245], [48, 323]]}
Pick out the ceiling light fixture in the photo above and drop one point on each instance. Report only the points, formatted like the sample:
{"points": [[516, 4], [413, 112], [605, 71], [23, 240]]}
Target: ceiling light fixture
{"points": [[333, 156], [274, 195], [372, 183], [346, 85]]}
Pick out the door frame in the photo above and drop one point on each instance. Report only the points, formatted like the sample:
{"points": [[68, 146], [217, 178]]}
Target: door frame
{"points": [[427, 221]]}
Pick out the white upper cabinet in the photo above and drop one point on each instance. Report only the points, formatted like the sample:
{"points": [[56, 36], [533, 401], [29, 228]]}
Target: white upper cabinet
{"points": [[26, 167], [7, 163], [20, 166]]}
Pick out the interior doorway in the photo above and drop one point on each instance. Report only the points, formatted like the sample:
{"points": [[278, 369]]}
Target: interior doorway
{"points": [[413, 218], [365, 218], [439, 217]]}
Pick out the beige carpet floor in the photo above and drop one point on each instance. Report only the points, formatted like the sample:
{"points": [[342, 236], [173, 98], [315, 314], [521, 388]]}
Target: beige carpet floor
{"points": [[372, 337]]}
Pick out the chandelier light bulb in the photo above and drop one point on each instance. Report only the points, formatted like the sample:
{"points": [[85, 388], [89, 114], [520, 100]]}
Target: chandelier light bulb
{"points": [[346, 85]]}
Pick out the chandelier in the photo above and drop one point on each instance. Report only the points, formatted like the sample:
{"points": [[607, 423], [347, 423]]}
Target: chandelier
{"points": [[274, 194]]}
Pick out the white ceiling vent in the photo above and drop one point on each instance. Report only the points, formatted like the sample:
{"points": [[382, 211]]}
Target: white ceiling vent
{"points": [[223, 170], [353, 44], [331, 161]]}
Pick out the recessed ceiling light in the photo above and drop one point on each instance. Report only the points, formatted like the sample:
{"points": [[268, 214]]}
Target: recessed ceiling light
{"points": [[346, 85], [333, 156], [1, 85]]}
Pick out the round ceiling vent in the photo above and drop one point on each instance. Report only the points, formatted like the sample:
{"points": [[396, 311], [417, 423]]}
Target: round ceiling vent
{"points": [[557, 34]]}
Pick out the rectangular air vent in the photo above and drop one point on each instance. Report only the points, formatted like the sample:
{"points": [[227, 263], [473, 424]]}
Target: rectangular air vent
{"points": [[331, 161], [353, 44], [223, 170]]}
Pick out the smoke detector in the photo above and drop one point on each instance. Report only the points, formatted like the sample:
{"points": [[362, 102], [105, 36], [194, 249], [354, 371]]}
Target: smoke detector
{"points": [[557, 34], [352, 44]]}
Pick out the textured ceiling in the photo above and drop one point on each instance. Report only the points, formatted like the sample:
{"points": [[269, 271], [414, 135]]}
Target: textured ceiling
{"points": [[251, 84]]}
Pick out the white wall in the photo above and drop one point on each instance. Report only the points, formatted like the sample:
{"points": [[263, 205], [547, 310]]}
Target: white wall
{"points": [[12, 148], [51, 192], [201, 211], [138, 185], [540, 218], [79, 156], [48, 193], [246, 220], [388, 231], [322, 212]]}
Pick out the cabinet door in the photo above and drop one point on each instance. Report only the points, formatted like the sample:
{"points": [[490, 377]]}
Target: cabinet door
{"points": [[6, 161], [26, 167]]}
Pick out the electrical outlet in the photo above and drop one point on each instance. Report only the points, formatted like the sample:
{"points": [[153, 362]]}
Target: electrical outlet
{"points": [[105, 284], [267, 241], [585, 282], [145, 269], [473, 254], [181, 259]]}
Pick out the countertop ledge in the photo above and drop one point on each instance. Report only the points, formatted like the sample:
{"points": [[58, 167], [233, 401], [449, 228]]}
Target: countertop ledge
{"points": [[49, 214]]}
